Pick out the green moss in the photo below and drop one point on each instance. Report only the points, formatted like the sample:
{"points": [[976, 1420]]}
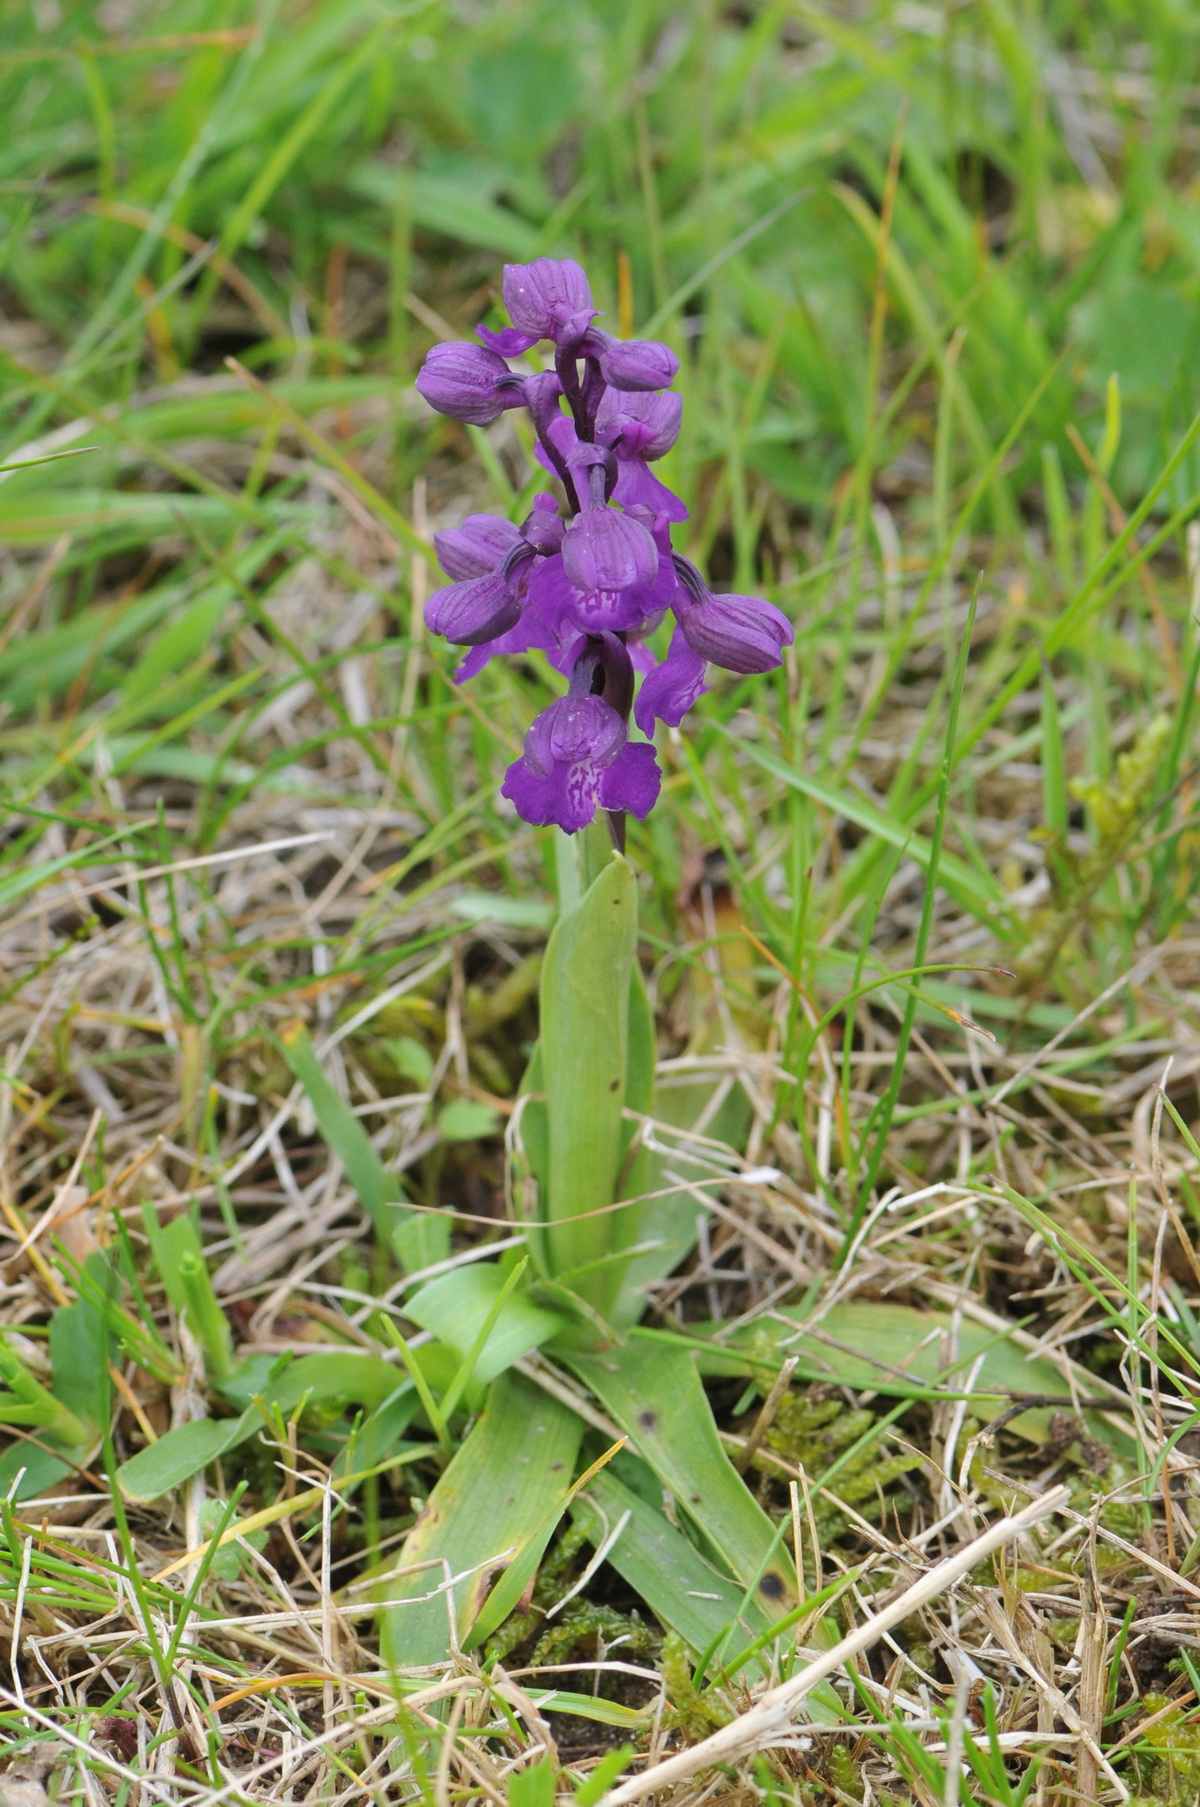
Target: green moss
{"points": [[811, 1430], [1167, 1757], [578, 1624], [584, 1623], [692, 1713], [845, 1774]]}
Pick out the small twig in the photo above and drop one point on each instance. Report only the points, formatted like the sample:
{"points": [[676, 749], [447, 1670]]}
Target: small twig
{"points": [[766, 1416]]}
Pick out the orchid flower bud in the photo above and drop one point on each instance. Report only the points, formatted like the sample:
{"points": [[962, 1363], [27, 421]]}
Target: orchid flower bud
{"points": [[544, 526], [481, 544], [468, 383], [548, 298], [639, 424], [632, 363], [741, 633], [470, 613]]}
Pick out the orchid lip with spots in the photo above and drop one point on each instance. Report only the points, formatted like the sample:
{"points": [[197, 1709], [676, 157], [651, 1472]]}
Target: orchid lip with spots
{"points": [[588, 590]]}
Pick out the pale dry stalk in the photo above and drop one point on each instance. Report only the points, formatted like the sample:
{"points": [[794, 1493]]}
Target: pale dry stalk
{"points": [[770, 1717]]}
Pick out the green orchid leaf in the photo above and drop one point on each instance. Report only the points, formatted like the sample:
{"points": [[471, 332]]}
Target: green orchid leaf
{"points": [[683, 1591], [456, 1306], [325, 1384], [532, 1786], [378, 1440], [686, 1593], [39, 1471], [338, 1377], [584, 1052], [467, 1120], [518, 1576], [652, 1389], [503, 1484], [81, 1348], [182, 1452], [897, 1350]]}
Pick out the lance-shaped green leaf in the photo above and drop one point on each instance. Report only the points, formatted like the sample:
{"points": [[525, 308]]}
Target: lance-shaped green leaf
{"points": [[896, 1350], [506, 1595], [498, 1491], [334, 1378], [418, 1238], [327, 1384], [652, 1388], [182, 1452], [82, 1345], [584, 1049], [685, 1593], [456, 1307]]}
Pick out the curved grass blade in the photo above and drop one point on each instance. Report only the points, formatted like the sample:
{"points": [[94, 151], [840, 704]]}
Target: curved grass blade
{"points": [[418, 1238]]}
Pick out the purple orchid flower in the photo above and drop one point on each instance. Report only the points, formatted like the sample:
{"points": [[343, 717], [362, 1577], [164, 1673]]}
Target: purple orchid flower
{"points": [[588, 590], [670, 690], [742, 633], [604, 549], [546, 299], [480, 545], [492, 562], [468, 383], [633, 363], [578, 756], [640, 427]]}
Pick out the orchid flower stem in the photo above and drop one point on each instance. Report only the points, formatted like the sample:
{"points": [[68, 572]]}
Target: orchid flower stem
{"points": [[580, 858], [596, 847]]}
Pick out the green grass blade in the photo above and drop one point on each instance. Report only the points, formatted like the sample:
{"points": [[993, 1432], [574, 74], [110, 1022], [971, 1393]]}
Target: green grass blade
{"points": [[418, 1238]]}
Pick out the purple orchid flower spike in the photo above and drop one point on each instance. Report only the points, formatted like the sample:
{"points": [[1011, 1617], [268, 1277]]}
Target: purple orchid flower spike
{"points": [[591, 589]]}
